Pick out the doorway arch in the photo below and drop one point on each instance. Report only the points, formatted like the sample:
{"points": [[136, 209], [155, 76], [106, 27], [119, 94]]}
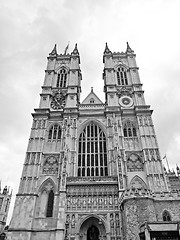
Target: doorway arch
{"points": [[93, 233], [92, 228]]}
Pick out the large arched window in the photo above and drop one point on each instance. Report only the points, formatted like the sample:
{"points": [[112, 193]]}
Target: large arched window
{"points": [[129, 129], [50, 204], [166, 216], [62, 78], [122, 76], [54, 132], [92, 153]]}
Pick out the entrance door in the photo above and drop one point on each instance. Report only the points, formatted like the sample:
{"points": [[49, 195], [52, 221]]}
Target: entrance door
{"points": [[93, 233]]}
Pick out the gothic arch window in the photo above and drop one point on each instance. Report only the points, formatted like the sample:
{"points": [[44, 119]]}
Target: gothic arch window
{"points": [[54, 132], [137, 183], [50, 204], [129, 129], [92, 152], [122, 76], [166, 216], [45, 200], [62, 78]]}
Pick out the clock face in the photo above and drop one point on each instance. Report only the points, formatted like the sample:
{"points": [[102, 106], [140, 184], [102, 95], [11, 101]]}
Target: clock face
{"points": [[126, 101], [58, 101]]}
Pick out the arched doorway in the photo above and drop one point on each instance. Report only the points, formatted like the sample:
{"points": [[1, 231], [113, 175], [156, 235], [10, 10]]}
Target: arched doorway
{"points": [[93, 233], [92, 228]]}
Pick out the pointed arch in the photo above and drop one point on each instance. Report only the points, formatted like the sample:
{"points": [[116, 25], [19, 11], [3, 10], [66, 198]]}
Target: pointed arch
{"points": [[92, 151], [45, 199], [62, 75], [121, 74], [166, 216], [137, 183], [47, 185]]}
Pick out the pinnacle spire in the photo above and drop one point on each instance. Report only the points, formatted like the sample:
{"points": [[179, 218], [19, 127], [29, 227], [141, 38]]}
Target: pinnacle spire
{"points": [[107, 51], [128, 49], [75, 51], [54, 51]]}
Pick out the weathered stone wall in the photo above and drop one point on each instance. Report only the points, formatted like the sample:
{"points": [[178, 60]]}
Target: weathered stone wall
{"points": [[137, 211], [172, 206]]}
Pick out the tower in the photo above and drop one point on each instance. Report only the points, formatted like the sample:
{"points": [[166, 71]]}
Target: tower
{"points": [[92, 170], [5, 199]]}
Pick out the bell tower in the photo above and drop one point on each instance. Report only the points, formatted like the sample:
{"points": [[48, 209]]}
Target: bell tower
{"points": [[136, 135]]}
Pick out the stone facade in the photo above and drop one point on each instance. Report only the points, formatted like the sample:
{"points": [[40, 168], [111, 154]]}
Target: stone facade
{"points": [[93, 170], [5, 199]]}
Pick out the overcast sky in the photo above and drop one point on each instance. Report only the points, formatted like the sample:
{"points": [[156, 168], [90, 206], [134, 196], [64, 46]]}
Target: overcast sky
{"points": [[29, 30]]}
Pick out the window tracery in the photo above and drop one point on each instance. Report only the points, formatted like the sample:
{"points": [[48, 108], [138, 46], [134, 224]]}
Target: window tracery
{"points": [[62, 78], [134, 163], [50, 165], [122, 76], [129, 129], [54, 132], [92, 153]]}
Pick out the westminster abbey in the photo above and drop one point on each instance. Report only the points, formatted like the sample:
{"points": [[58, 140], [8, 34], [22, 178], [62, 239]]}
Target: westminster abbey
{"points": [[93, 169]]}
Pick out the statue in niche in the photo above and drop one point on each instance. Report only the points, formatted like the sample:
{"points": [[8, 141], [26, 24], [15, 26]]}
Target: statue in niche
{"points": [[73, 222], [145, 121], [117, 224], [140, 121], [112, 223], [84, 201], [67, 223], [110, 200], [89, 201], [109, 122], [79, 202], [68, 202], [74, 123]]}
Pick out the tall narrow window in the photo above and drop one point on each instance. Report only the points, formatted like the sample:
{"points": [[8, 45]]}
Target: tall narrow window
{"points": [[54, 132], [122, 76], [62, 78], [129, 130], [92, 153], [50, 204]]}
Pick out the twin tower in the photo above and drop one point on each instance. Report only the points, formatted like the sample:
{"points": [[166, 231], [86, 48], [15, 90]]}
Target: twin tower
{"points": [[93, 170]]}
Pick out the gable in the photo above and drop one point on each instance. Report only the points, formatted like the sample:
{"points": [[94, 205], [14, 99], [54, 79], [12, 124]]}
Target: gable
{"points": [[92, 98]]}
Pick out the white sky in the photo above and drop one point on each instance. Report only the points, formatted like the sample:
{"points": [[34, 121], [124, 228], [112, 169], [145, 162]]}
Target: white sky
{"points": [[29, 30]]}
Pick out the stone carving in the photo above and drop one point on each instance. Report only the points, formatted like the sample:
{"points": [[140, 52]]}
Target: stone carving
{"points": [[134, 163], [112, 224], [117, 222], [50, 165], [124, 91], [137, 183]]}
